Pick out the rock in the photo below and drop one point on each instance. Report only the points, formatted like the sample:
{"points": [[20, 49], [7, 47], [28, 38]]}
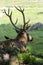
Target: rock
{"points": [[36, 26]]}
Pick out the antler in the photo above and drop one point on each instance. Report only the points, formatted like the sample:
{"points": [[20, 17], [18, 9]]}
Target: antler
{"points": [[22, 11], [9, 14]]}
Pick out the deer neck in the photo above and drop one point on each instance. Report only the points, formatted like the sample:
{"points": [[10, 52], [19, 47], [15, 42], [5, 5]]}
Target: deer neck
{"points": [[22, 39]]}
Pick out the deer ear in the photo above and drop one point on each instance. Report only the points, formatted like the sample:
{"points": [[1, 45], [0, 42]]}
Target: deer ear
{"points": [[30, 38], [6, 37], [17, 30]]}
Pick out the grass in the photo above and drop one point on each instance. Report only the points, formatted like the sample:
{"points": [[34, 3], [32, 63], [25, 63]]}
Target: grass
{"points": [[20, 3], [6, 3], [7, 30], [36, 46]]}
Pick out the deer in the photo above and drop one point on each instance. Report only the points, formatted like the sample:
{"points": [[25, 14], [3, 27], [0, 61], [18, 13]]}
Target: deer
{"points": [[21, 40]]}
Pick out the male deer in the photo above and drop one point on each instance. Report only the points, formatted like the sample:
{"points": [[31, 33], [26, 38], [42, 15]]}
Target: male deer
{"points": [[23, 37]]}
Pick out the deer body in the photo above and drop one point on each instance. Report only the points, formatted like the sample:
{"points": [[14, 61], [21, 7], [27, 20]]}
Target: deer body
{"points": [[19, 42], [10, 43]]}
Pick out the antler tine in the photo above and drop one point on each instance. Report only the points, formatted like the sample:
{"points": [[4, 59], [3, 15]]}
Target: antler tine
{"points": [[26, 24], [22, 11], [16, 21], [10, 17], [19, 9], [6, 13]]}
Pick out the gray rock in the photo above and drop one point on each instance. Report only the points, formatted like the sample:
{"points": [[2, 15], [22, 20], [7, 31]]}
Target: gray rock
{"points": [[36, 26]]}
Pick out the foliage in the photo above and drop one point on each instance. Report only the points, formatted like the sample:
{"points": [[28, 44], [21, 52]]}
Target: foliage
{"points": [[28, 58]]}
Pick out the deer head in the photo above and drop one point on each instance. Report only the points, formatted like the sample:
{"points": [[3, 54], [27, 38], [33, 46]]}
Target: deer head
{"points": [[23, 37]]}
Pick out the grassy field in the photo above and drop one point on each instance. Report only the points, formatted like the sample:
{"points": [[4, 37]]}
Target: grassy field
{"points": [[36, 46], [20, 3], [34, 13]]}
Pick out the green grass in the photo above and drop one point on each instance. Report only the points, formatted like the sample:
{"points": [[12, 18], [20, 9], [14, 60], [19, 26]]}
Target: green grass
{"points": [[20, 3], [7, 30], [6, 3], [36, 46]]}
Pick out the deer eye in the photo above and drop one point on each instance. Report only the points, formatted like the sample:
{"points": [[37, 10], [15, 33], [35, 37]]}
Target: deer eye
{"points": [[22, 32]]}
